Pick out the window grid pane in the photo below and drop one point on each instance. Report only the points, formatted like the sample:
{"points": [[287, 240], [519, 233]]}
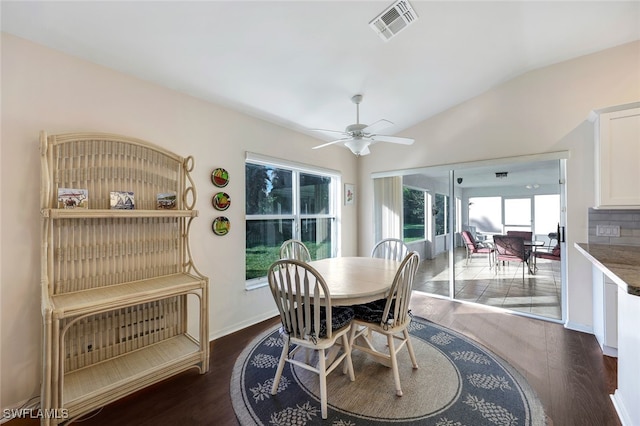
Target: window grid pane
{"points": [[314, 194], [273, 217], [264, 238], [414, 213], [269, 190], [316, 235]]}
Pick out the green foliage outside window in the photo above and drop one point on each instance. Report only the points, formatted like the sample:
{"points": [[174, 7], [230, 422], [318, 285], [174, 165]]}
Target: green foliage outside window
{"points": [[413, 210], [271, 218]]}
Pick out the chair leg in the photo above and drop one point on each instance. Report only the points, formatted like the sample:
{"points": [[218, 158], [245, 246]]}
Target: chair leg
{"points": [[283, 360], [412, 354], [322, 373], [347, 360], [353, 329], [394, 364]]}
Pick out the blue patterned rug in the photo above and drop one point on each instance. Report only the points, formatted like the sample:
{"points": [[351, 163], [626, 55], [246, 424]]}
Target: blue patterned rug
{"points": [[459, 383]]}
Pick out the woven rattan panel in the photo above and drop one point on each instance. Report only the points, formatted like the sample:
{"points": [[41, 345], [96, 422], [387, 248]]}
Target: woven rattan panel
{"points": [[100, 337], [98, 252], [102, 166]]}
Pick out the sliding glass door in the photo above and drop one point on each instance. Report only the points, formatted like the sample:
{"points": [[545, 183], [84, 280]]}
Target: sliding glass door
{"points": [[485, 200]]}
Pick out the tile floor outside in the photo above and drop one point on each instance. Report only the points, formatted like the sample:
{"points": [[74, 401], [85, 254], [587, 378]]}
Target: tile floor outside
{"points": [[539, 294]]}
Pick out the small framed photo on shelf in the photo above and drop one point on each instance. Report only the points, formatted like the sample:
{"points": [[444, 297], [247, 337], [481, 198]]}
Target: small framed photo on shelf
{"points": [[166, 201], [122, 200], [71, 198], [349, 194]]}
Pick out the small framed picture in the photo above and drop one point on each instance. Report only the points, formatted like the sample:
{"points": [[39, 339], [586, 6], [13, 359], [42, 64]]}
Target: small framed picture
{"points": [[70, 198], [166, 201], [122, 200], [349, 194]]}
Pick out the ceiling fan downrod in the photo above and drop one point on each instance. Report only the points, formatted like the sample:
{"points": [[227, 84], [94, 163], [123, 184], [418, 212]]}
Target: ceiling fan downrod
{"points": [[356, 99]]}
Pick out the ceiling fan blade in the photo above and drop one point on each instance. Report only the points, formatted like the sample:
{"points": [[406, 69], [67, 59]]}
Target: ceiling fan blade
{"points": [[331, 143], [342, 132], [392, 139], [377, 126]]}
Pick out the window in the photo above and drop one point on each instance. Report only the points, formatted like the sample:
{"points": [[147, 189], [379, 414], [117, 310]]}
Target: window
{"points": [[485, 213], [517, 214], [286, 201], [546, 213], [441, 213], [413, 211]]}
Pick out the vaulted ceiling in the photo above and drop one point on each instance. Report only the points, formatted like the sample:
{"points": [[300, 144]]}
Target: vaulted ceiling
{"points": [[298, 63]]}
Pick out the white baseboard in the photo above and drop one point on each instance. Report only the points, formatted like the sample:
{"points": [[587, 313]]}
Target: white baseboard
{"points": [[609, 351], [578, 327], [620, 409], [244, 324]]}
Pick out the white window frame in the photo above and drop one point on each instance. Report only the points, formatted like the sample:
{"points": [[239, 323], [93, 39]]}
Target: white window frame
{"points": [[296, 215]]}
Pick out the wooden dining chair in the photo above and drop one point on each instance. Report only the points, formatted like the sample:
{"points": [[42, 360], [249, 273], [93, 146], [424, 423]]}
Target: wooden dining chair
{"points": [[390, 248], [295, 249], [309, 321], [510, 248], [389, 317]]}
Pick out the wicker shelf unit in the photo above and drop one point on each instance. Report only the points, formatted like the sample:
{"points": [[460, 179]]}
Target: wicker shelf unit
{"points": [[123, 304]]}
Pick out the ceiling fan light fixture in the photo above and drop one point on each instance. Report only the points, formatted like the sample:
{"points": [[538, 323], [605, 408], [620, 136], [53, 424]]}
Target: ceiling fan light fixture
{"points": [[357, 137], [358, 146]]}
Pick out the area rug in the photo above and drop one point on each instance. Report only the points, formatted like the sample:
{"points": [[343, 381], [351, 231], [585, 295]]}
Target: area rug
{"points": [[458, 383]]}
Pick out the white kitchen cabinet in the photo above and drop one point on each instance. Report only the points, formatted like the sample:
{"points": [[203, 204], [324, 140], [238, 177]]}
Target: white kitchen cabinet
{"points": [[605, 312], [617, 157]]}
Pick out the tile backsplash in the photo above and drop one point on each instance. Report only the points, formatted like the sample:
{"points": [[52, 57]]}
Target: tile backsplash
{"points": [[627, 220]]}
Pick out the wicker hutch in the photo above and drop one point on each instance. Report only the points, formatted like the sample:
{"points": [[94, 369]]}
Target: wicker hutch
{"points": [[123, 304]]}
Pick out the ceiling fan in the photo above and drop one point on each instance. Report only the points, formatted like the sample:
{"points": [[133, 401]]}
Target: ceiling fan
{"points": [[358, 137]]}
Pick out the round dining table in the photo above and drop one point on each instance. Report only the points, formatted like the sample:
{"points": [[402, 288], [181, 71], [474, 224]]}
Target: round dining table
{"points": [[356, 280]]}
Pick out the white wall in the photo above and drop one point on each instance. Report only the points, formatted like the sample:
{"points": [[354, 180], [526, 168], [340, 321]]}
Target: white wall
{"points": [[539, 112], [46, 90], [542, 111]]}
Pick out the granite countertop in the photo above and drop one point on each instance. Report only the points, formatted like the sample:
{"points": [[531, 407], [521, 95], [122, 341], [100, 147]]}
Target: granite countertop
{"points": [[620, 263]]}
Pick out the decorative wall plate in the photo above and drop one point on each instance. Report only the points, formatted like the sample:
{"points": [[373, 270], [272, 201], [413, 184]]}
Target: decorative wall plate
{"points": [[221, 225], [220, 177], [221, 201]]}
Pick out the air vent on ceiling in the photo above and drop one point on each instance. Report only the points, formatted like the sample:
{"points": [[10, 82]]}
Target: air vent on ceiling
{"points": [[394, 19]]}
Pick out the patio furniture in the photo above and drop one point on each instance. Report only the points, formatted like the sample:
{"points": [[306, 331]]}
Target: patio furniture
{"points": [[554, 254], [510, 248], [474, 247]]}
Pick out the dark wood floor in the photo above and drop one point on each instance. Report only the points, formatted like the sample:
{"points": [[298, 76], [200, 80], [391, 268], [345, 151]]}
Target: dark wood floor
{"points": [[566, 368]]}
